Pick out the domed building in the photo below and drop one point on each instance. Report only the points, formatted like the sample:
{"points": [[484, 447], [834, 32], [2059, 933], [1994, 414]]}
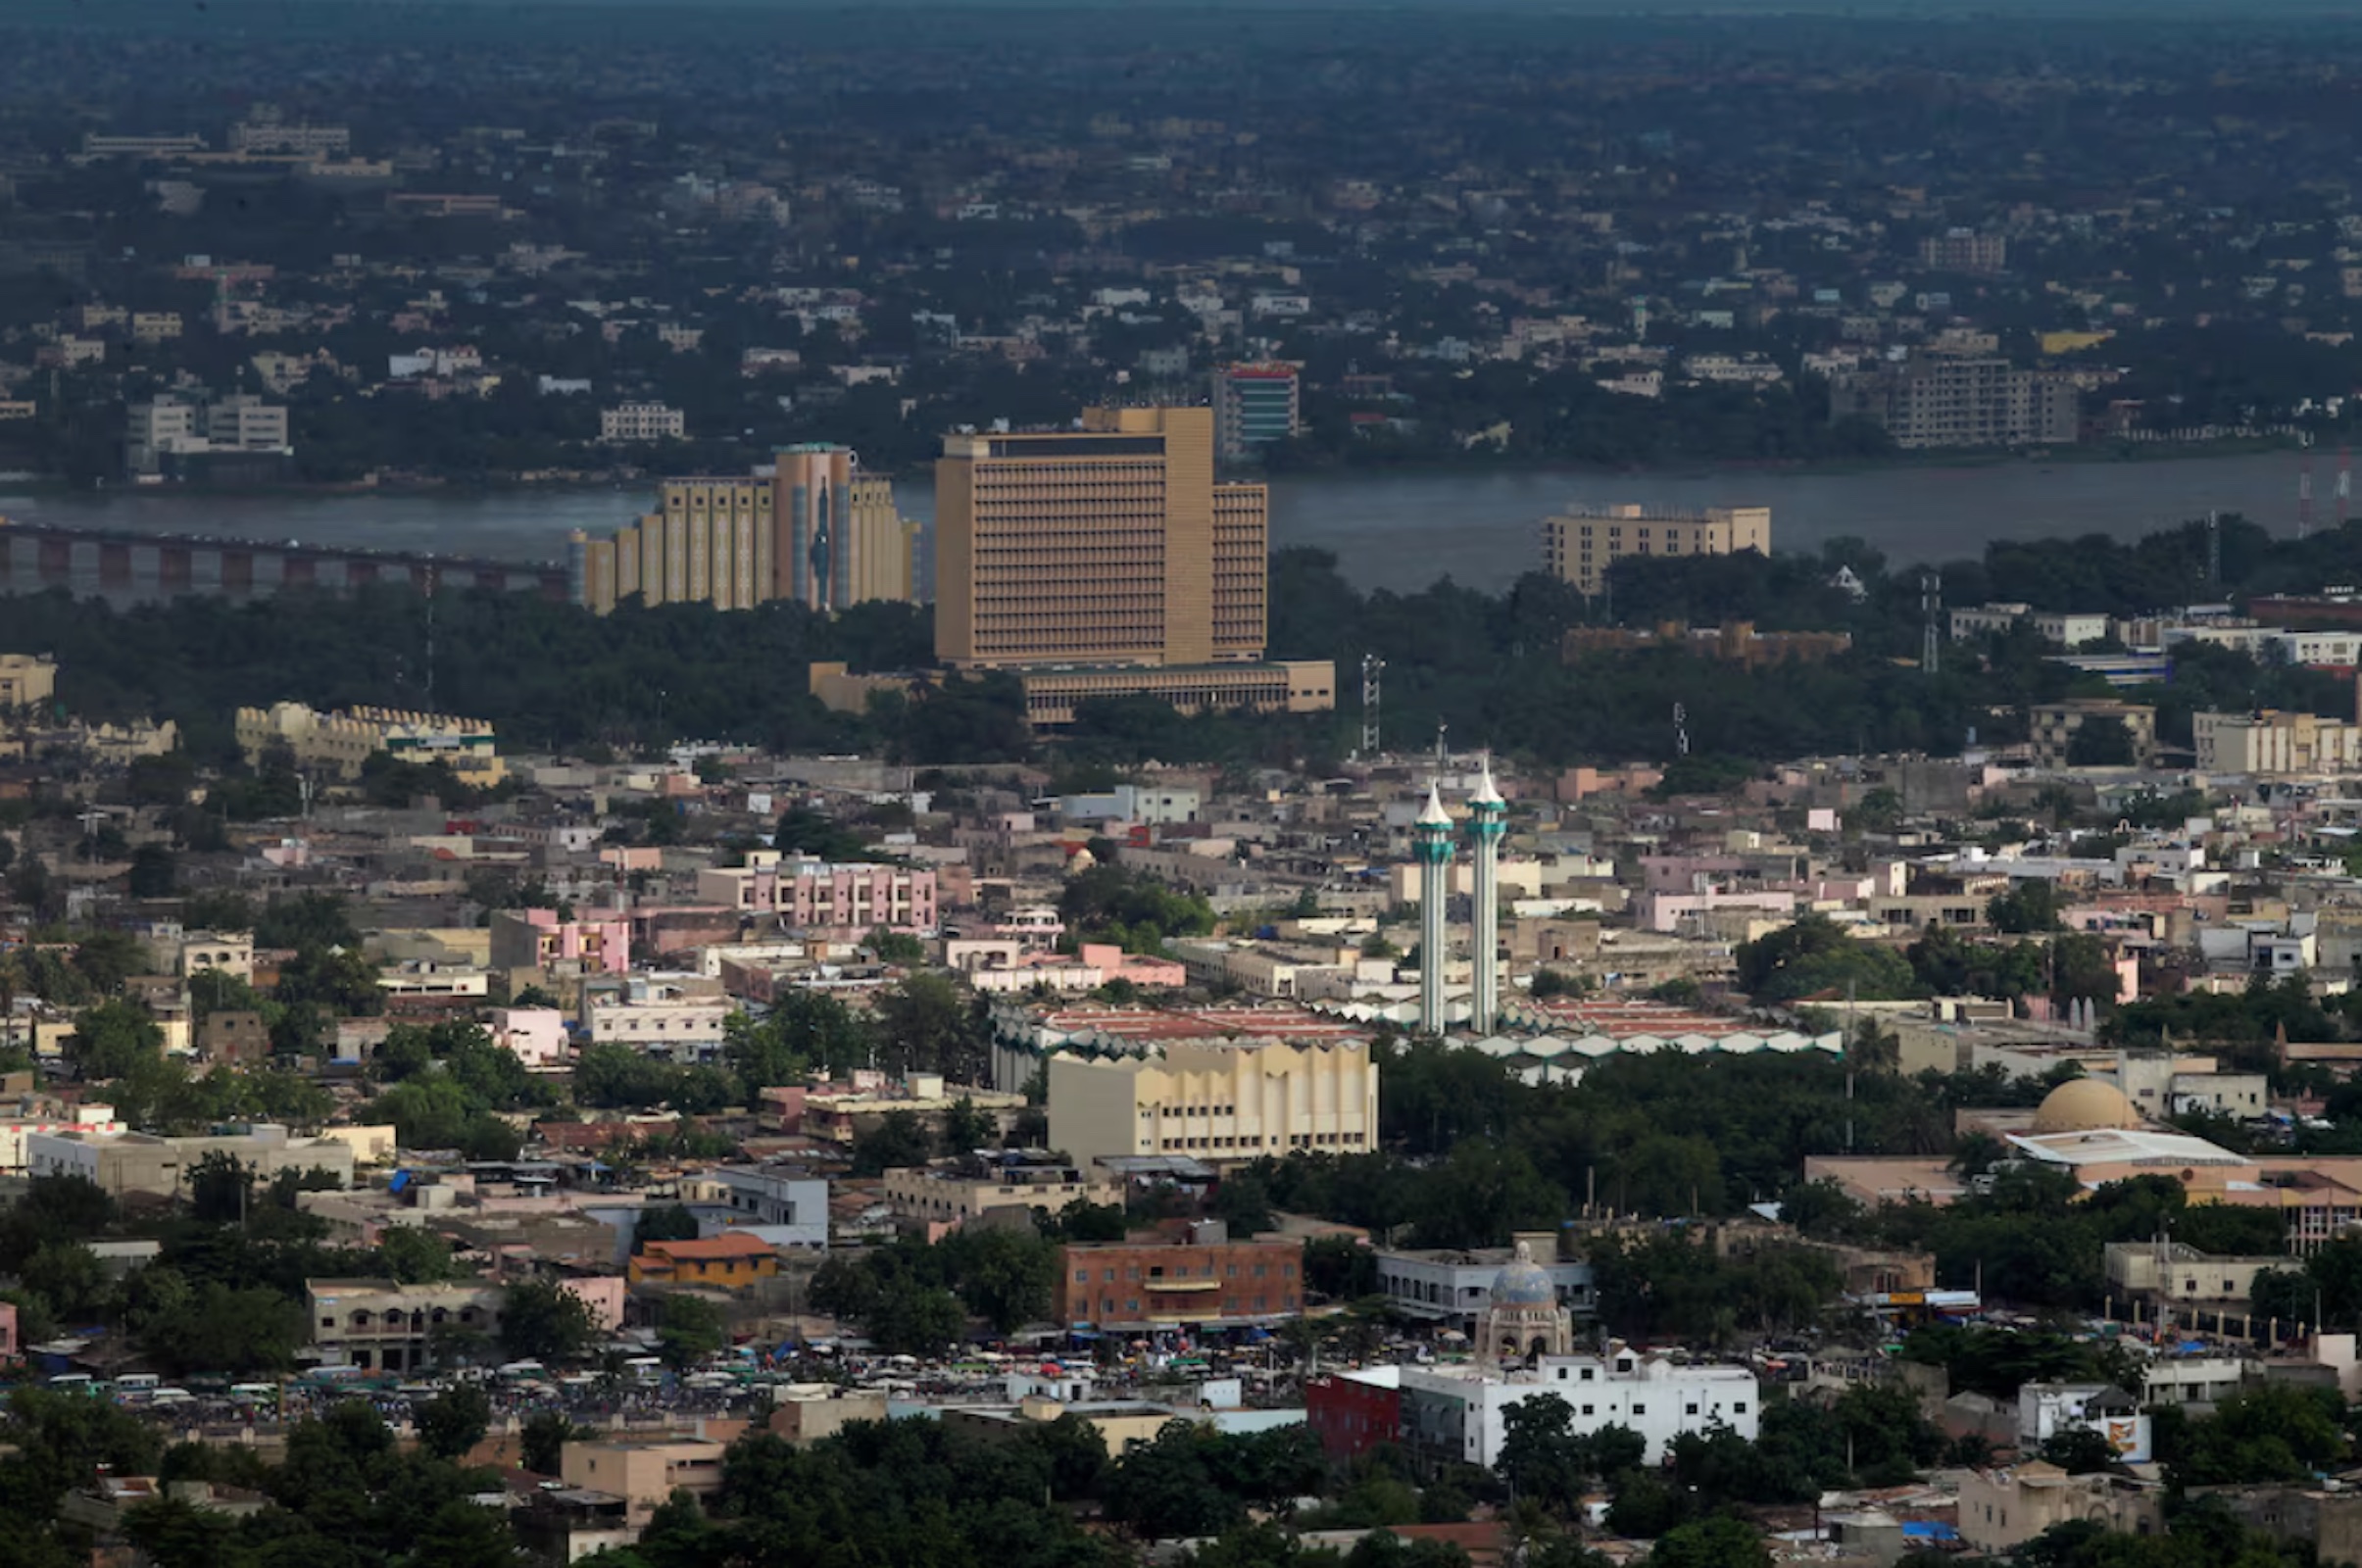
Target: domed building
{"points": [[1522, 1318], [2084, 1106]]}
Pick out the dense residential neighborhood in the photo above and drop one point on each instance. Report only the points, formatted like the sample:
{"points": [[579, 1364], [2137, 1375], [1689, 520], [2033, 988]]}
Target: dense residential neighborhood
{"points": [[810, 939]]}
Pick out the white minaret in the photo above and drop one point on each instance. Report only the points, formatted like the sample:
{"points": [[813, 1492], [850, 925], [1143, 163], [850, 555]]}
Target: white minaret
{"points": [[1488, 820], [1432, 836]]}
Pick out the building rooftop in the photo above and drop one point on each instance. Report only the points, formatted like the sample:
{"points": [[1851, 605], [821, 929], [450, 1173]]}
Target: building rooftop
{"points": [[713, 1248], [2123, 1144]]}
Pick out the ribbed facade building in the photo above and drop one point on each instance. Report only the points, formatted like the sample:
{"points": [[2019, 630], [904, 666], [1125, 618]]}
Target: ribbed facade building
{"points": [[814, 530]]}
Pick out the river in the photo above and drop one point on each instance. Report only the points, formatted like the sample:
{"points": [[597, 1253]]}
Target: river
{"points": [[1397, 532]]}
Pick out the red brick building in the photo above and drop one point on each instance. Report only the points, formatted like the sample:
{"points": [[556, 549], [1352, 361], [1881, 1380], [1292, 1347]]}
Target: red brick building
{"points": [[1144, 1284], [1354, 1412]]}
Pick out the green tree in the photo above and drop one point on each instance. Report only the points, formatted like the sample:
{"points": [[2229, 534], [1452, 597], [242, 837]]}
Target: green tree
{"points": [[155, 873], [412, 1254], [2079, 1450], [899, 1140], [543, 1321], [1721, 1542], [690, 1328], [112, 1039], [454, 1421], [2032, 905], [542, 1441], [663, 1222], [1541, 1457], [927, 1024], [1004, 1277], [966, 1129]]}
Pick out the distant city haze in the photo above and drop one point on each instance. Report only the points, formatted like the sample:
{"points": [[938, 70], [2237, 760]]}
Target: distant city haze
{"points": [[1398, 531]]}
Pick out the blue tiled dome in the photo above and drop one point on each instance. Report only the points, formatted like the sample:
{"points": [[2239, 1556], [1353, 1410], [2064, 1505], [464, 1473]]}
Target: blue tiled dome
{"points": [[1522, 1282]]}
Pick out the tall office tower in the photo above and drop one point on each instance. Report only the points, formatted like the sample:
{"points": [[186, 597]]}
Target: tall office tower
{"points": [[1254, 405], [1108, 544], [710, 541], [1489, 819], [1432, 837]]}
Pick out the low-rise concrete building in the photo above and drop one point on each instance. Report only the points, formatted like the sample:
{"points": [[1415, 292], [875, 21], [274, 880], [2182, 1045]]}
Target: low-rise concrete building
{"points": [[645, 1472], [141, 1162], [952, 1195], [380, 1326], [2000, 1510]]}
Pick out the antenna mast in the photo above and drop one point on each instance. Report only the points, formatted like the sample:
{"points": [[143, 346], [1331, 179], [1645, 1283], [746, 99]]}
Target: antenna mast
{"points": [[430, 634], [1680, 730], [1372, 666], [2304, 494], [1931, 606]]}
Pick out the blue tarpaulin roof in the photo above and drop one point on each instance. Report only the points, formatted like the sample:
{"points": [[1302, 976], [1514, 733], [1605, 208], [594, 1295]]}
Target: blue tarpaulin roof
{"points": [[1928, 1529]]}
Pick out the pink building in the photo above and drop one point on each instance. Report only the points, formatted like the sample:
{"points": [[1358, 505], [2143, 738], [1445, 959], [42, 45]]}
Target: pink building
{"points": [[603, 1294], [534, 1036], [817, 896], [536, 939]]}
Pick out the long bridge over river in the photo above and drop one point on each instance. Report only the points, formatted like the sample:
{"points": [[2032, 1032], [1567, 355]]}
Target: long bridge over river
{"points": [[128, 566]]}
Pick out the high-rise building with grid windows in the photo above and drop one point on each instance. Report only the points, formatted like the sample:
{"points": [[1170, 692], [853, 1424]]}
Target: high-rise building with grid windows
{"points": [[1255, 406], [1104, 560], [1109, 544]]}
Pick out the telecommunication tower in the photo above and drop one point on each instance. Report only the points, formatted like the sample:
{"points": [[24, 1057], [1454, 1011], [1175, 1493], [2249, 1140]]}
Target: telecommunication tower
{"points": [[1930, 610], [2304, 494], [1372, 666], [1680, 730], [2346, 483]]}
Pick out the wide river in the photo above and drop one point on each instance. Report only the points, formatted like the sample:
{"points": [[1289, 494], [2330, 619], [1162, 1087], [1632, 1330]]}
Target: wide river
{"points": [[1398, 531]]}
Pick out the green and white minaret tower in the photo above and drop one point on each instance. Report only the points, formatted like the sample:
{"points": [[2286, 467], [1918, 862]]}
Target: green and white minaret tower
{"points": [[1433, 835], [1489, 819]]}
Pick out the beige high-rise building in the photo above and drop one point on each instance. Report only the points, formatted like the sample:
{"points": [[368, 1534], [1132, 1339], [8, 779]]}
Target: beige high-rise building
{"points": [[1109, 545], [1578, 546]]}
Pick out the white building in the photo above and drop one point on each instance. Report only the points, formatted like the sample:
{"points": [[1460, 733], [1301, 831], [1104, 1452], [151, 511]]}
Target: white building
{"points": [[1133, 802], [784, 1207], [2047, 1409], [641, 422], [688, 1029], [44, 1116], [2061, 630], [1452, 1286], [1460, 1413]]}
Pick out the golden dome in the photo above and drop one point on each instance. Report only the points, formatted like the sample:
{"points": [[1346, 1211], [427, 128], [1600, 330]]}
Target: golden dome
{"points": [[2081, 1105]]}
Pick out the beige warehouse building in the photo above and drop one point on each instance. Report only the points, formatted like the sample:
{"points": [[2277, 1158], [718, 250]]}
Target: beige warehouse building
{"points": [[1216, 1103]]}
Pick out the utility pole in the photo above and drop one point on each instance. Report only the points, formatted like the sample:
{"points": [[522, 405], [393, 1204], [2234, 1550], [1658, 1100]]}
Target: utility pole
{"points": [[1372, 666], [1931, 607]]}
